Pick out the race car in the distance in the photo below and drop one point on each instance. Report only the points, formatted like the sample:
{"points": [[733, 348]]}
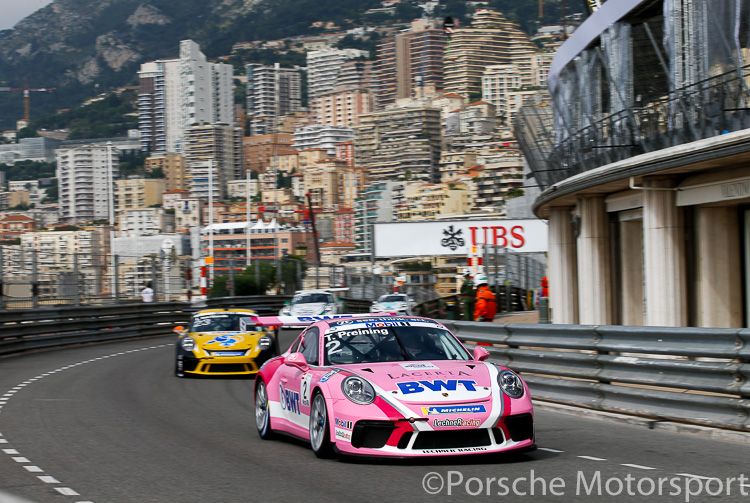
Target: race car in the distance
{"points": [[393, 303], [313, 303], [390, 386], [223, 342]]}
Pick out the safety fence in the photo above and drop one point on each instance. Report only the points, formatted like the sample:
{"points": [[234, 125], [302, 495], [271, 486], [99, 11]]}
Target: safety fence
{"points": [[695, 375]]}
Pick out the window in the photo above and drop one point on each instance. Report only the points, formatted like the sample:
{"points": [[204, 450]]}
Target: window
{"points": [[309, 346]]}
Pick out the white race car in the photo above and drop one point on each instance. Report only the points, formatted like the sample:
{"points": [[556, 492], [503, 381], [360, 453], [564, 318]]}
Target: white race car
{"points": [[398, 303], [313, 303]]}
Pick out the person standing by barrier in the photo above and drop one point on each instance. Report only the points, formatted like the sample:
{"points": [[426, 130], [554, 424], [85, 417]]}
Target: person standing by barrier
{"points": [[467, 296], [485, 307], [147, 293]]}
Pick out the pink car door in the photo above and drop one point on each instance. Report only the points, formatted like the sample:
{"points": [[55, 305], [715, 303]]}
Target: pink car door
{"points": [[294, 384]]}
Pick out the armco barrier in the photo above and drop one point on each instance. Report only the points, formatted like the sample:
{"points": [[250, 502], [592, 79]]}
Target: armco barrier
{"points": [[693, 375], [697, 375], [25, 330]]}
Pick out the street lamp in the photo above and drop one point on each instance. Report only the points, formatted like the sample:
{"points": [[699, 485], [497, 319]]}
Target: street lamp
{"points": [[111, 205]]}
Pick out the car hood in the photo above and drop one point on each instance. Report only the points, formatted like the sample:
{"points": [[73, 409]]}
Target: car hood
{"points": [[226, 340], [422, 382], [307, 309]]}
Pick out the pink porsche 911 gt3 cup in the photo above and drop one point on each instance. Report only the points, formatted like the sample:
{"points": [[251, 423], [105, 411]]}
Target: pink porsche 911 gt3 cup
{"points": [[390, 386]]}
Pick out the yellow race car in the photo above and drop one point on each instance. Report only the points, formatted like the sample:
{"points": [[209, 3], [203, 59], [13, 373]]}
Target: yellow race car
{"points": [[223, 342]]}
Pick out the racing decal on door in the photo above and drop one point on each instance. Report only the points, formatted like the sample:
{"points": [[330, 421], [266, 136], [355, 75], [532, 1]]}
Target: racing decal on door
{"points": [[289, 399], [305, 388]]}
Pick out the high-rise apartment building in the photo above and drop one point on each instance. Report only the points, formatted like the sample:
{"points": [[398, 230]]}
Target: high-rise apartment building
{"points": [[342, 107], [489, 40], [408, 61], [399, 142], [218, 145], [260, 150], [173, 167], [175, 94], [322, 137], [326, 69], [272, 93], [85, 175]]}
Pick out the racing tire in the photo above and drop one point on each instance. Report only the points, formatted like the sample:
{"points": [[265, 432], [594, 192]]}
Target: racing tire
{"points": [[320, 440], [262, 411]]}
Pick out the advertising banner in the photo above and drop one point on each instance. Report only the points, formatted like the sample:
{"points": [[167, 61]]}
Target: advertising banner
{"points": [[455, 237]]}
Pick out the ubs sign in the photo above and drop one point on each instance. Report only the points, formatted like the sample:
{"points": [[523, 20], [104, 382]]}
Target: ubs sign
{"points": [[453, 237]]}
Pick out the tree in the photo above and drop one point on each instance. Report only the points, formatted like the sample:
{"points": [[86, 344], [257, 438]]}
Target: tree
{"points": [[244, 281]]}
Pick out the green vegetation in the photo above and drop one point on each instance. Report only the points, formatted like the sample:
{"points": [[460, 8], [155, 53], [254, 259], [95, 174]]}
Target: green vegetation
{"points": [[28, 170], [107, 118]]}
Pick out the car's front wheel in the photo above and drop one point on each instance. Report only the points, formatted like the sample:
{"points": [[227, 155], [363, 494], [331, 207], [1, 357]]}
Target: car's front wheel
{"points": [[262, 411], [319, 429]]}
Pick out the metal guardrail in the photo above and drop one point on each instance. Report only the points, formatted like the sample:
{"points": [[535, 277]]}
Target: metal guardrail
{"points": [[696, 375], [26, 330]]}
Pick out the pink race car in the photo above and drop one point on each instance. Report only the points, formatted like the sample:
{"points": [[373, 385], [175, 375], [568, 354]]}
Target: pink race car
{"points": [[390, 386]]}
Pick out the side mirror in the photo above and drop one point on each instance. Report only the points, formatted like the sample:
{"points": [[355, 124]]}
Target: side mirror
{"points": [[481, 354], [298, 360], [178, 328]]}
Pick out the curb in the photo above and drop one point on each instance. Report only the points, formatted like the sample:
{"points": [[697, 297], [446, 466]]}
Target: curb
{"points": [[652, 424]]}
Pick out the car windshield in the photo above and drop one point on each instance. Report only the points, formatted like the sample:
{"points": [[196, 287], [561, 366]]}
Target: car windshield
{"points": [[392, 298], [312, 298], [362, 344], [221, 322]]}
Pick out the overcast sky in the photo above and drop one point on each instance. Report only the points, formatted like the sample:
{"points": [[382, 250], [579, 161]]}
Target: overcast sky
{"points": [[12, 11]]}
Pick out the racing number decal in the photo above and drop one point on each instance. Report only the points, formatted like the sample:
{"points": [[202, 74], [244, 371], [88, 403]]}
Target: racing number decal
{"points": [[333, 346], [305, 389]]}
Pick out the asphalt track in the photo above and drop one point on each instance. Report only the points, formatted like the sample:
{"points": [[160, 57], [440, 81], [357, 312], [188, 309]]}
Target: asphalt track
{"points": [[111, 423]]}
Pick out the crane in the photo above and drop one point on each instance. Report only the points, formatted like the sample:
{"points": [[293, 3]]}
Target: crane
{"points": [[26, 91]]}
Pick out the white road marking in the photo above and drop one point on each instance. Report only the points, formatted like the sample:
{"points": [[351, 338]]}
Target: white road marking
{"points": [[548, 449], [640, 467], [66, 491], [691, 476], [592, 458]]}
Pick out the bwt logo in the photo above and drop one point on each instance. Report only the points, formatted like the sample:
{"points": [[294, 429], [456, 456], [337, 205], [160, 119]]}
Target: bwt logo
{"points": [[289, 399], [410, 387]]}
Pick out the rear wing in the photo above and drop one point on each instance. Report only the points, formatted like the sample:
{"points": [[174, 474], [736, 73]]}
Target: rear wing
{"points": [[298, 321]]}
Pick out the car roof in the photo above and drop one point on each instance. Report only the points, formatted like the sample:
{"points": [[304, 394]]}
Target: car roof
{"points": [[227, 311], [367, 318]]}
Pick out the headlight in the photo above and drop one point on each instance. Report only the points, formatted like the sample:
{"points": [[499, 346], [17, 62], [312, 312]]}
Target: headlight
{"points": [[358, 390], [188, 344], [510, 383], [285, 311], [328, 308], [374, 308], [264, 342]]}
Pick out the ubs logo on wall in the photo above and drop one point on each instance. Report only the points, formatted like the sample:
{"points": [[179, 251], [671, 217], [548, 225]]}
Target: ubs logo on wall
{"points": [[453, 239]]}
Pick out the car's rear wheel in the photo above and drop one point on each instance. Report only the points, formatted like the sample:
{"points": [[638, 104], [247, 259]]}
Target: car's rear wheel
{"points": [[262, 411], [319, 428]]}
